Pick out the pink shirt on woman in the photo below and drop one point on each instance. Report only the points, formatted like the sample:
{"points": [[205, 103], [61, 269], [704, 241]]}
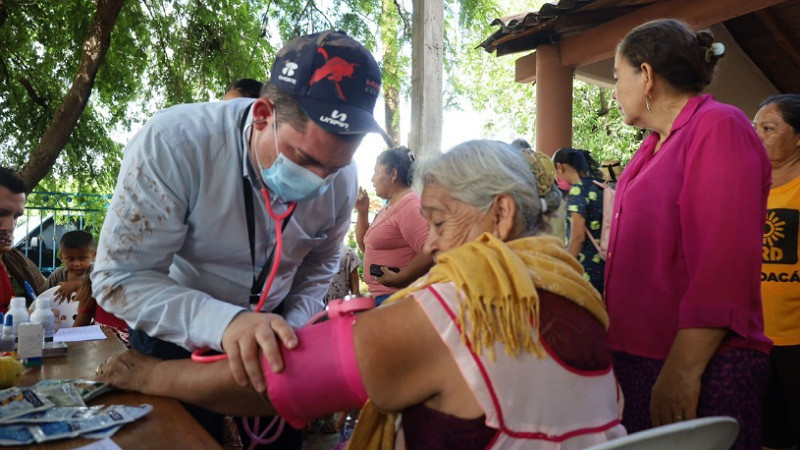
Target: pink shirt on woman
{"points": [[685, 248], [393, 239]]}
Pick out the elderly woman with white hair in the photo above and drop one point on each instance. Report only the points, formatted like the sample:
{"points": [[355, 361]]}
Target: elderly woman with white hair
{"points": [[503, 343]]}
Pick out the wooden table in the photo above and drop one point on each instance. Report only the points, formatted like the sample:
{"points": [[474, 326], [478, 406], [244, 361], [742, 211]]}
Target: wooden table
{"points": [[169, 425]]}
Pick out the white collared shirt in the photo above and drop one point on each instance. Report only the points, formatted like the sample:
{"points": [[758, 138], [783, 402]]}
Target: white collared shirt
{"points": [[174, 257]]}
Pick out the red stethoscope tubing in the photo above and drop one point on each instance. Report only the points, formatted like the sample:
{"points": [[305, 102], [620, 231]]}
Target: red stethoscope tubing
{"points": [[197, 355]]}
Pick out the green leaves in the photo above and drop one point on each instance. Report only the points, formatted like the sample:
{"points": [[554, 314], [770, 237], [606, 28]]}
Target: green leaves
{"points": [[488, 84], [162, 52], [165, 52], [598, 126]]}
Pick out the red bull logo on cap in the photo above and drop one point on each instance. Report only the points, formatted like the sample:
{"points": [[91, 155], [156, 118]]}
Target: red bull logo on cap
{"points": [[334, 69]]}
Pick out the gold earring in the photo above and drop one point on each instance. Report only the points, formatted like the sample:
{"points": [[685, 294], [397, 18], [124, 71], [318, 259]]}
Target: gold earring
{"points": [[647, 104]]}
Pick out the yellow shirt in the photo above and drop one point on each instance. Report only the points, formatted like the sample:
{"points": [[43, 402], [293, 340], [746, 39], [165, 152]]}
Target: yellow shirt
{"points": [[780, 270]]}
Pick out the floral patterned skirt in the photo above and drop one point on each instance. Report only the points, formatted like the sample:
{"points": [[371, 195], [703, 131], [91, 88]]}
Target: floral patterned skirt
{"points": [[732, 385]]}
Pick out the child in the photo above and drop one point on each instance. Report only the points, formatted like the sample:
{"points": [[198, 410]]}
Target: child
{"points": [[77, 251], [346, 281], [89, 311]]}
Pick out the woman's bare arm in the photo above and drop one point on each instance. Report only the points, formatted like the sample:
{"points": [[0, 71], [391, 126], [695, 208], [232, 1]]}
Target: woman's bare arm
{"points": [[400, 355], [210, 385], [577, 234], [676, 391], [401, 358], [409, 273], [362, 220]]}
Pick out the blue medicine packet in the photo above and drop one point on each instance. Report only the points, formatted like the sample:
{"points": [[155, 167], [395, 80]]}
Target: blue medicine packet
{"points": [[15, 435]]}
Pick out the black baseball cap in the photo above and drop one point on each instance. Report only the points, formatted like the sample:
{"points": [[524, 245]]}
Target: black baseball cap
{"points": [[333, 77]]}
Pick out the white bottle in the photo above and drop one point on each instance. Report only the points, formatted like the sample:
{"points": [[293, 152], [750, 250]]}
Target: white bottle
{"points": [[44, 315], [19, 312], [7, 337]]}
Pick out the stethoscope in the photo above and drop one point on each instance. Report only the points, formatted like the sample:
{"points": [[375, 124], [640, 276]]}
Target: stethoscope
{"points": [[198, 355]]}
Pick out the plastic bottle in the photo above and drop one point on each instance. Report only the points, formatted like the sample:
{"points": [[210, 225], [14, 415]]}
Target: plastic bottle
{"points": [[19, 312], [44, 315], [8, 337]]}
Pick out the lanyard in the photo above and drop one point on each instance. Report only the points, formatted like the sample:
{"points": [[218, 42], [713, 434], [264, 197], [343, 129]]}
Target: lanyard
{"points": [[258, 281]]}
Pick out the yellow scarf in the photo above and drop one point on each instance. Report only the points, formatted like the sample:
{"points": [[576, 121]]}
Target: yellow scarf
{"points": [[497, 282]]}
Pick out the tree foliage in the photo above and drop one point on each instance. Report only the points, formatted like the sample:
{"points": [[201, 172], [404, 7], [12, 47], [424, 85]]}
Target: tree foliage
{"points": [[164, 52], [93, 52], [597, 125], [37, 63], [505, 106]]}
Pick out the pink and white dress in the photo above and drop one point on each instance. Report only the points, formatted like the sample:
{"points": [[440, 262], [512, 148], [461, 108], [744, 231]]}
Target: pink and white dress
{"points": [[532, 403]]}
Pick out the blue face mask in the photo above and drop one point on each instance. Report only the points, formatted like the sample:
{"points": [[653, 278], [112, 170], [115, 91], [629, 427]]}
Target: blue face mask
{"points": [[290, 181], [293, 183]]}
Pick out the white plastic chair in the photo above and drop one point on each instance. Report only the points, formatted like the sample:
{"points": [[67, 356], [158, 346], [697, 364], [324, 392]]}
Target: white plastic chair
{"points": [[67, 311], [707, 433]]}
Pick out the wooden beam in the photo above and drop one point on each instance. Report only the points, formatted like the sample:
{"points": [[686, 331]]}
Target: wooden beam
{"points": [[525, 69], [779, 34], [427, 53], [600, 43], [755, 40]]}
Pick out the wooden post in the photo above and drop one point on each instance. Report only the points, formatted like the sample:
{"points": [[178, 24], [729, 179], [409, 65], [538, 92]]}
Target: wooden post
{"points": [[427, 48], [553, 100]]}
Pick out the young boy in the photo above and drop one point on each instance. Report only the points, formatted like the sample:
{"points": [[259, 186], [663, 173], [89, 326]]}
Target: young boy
{"points": [[77, 251], [346, 281]]}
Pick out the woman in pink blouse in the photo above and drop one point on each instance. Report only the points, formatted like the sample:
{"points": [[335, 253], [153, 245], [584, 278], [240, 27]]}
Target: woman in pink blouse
{"points": [[392, 243], [683, 268]]}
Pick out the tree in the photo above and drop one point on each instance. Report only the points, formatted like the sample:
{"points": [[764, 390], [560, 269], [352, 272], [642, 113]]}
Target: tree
{"points": [[598, 126], [394, 69], [160, 53], [163, 52], [95, 46], [35, 74], [487, 82]]}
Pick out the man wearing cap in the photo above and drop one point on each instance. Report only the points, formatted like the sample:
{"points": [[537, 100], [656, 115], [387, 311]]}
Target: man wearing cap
{"points": [[188, 239]]}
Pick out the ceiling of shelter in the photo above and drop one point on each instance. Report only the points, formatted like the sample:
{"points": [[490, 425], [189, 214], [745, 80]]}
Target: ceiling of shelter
{"points": [[770, 37]]}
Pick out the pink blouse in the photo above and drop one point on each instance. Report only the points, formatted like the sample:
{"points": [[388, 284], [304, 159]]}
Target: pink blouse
{"points": [[393, 239], [685, 247]]}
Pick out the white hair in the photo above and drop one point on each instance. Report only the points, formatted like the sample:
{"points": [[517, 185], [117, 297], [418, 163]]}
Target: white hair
{"points": [[475, 172]]}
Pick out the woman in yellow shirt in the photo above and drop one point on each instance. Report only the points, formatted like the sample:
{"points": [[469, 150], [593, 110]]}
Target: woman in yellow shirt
{"points": [[778, 125]]}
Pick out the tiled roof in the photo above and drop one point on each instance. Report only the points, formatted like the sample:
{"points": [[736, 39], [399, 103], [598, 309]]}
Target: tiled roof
{"points": [[553, 22], [511, 26]]}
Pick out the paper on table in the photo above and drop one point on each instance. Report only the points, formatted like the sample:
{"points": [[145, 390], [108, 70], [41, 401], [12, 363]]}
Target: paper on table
{"points": [[75, 334], [105, 444]]}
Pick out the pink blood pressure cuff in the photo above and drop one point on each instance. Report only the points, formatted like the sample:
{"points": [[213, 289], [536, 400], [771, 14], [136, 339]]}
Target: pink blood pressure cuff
{"points": [[320, 375]]}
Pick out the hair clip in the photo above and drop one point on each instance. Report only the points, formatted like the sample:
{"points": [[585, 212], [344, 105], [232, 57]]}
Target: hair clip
{"points": [[716, 49]]}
